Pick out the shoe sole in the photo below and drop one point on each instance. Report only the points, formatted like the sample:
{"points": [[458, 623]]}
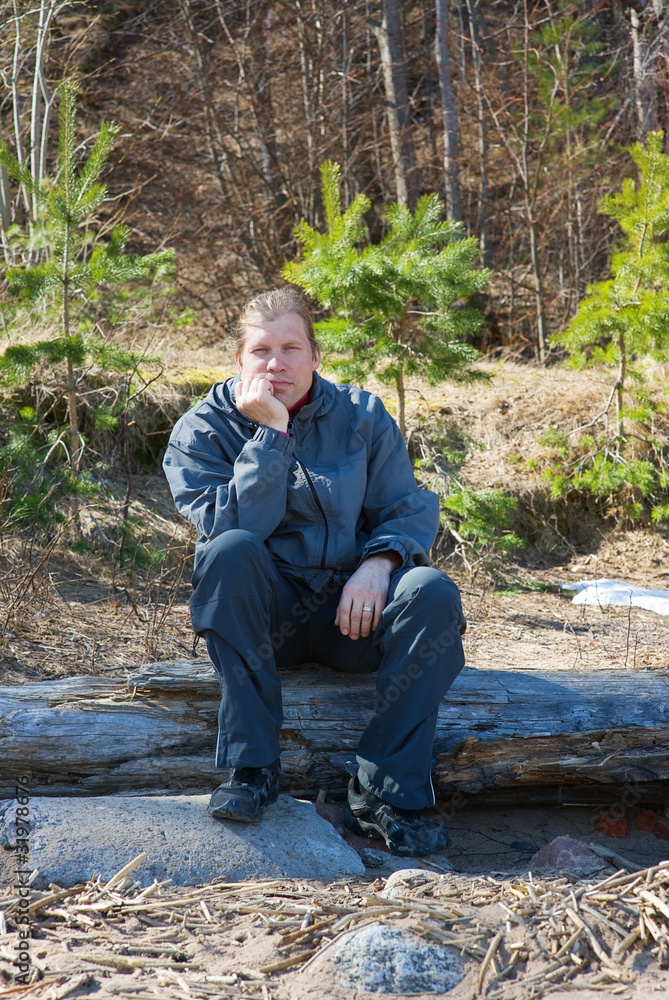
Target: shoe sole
{"points": [[222, 813], [364, 829], [227, 812]]}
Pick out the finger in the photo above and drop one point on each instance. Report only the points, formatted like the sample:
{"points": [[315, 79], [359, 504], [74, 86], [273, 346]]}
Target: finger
{"points": [[366, 619], [257, 387], [356, 618], [343, 619], [249, 389]]}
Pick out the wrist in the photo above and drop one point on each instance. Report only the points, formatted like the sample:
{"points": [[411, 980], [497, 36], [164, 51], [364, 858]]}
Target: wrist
{"points": [[391, 559], [278, 425]]}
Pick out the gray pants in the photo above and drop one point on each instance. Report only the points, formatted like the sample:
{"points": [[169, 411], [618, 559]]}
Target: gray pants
{"points": [[254, 620]]}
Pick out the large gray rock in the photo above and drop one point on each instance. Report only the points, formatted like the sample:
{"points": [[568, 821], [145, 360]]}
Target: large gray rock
{"points": [[71, 838], [383, 959]]}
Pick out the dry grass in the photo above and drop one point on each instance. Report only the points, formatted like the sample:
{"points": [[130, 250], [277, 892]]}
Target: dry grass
{"points": [[518, 937], [78, 611]]}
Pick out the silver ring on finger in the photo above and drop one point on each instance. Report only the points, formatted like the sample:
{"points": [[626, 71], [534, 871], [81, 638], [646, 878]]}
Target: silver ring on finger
{"points": [[367, 608]]}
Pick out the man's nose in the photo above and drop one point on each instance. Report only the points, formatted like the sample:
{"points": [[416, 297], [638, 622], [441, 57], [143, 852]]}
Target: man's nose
{"points": [[276, 363]]}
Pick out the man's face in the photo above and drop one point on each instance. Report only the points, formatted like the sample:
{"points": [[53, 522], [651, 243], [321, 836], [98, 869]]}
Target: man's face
{"points": [[280, 351]]}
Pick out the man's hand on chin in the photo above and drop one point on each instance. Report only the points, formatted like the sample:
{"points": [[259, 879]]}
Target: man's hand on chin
{"points": [[364, 596], [255, 398]]}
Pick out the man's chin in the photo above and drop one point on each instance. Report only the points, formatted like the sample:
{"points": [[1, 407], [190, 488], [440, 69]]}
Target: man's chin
{"points": [[288, 396]]}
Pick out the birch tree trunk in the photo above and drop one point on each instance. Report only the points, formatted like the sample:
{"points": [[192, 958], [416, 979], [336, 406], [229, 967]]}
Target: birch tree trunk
{"points": [[41, 100], [5, 209], [389, 36], [306, 74], [449, 115], [476, 43], [650, 48]]}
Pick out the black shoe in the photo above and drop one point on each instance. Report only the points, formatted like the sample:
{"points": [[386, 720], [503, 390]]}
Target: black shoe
{"points": [[245, 793], [404, 831]]}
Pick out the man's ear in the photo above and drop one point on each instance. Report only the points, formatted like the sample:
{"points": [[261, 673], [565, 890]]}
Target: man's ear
{"points": [[239, 367], [316, 359]]}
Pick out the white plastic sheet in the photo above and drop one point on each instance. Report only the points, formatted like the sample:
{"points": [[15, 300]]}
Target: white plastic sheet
{"points": [[615, 592]]}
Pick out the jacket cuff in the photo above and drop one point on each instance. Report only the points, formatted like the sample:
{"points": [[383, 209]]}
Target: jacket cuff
{"points": [[382, 548], [276, 440]]}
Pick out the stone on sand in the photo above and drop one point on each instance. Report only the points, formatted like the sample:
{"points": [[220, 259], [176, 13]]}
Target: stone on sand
{"points": [[382, 959], [71, 838], [410, 877], [567, 854]]}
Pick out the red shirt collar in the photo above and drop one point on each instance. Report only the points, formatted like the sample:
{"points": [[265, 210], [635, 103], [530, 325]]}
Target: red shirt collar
{"points": [[299, 404]]}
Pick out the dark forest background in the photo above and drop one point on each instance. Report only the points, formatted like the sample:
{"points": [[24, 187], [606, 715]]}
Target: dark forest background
{"points": [[518, 114]]}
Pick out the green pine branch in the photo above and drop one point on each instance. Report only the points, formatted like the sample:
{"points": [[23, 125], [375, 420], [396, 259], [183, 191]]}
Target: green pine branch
{"points": [[398, 307]]}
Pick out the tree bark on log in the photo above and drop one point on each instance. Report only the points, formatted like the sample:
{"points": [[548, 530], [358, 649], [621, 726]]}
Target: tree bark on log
{"points": [[502, 735]]}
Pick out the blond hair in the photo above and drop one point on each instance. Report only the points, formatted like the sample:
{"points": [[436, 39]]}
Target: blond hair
{"points": [[272, 305]]}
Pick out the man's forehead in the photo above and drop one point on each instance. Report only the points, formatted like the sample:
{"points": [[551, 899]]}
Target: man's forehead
{"points": [[286, 328]]}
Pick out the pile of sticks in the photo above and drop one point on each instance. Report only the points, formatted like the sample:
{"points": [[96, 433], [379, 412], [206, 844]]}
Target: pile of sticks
{"points": [[524, 933]]}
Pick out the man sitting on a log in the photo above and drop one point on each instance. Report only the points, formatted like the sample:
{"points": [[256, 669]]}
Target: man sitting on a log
{"points": [[313, 541]]}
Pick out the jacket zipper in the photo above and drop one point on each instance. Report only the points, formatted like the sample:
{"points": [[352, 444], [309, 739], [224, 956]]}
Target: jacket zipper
{"points": [[320, 507]]}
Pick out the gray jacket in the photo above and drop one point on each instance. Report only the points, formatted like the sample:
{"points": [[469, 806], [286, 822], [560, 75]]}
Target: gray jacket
{"points": [[337, 489]]}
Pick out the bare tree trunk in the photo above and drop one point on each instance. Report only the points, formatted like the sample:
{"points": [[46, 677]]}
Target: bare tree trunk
{"points": [[376, 116], [216, 148], [345, 62], [41, 100], [262, 84], [5, 210], [475, 36], [620, 390], [650, 52], [429, 82], [16, 103], [389, 36], [449, 115], [306, 71], [542, 339], [530, 199], [640, 59]]}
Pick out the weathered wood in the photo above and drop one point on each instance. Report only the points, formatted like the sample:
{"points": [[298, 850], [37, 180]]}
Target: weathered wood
{"points": [[528, 735]]}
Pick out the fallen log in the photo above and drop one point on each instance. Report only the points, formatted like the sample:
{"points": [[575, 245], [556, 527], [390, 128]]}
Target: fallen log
{"points": [[503, 735]]}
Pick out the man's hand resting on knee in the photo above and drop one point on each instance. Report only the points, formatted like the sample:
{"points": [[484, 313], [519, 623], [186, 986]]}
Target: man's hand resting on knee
{"points": [[367, 588]]}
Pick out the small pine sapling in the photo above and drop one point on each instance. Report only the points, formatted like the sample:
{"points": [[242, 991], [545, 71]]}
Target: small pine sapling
{"points": [[70, 274], [624, 320], [399, 307]]}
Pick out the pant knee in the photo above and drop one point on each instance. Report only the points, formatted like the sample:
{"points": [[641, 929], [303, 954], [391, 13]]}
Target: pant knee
{"points": [[234, 548], [434, 596], [430, 586]]}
